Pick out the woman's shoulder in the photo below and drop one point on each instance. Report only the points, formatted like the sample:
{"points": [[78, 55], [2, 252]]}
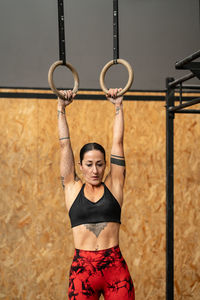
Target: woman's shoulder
{"points": [[116, 189], [72, 190]]}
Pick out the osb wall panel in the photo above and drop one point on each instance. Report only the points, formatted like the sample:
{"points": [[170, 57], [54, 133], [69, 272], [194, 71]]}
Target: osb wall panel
{"points": [[36, 241], [187, 206]]}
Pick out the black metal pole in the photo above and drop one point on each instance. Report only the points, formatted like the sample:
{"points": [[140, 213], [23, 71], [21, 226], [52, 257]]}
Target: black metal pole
{"points": [[61, 31], [188, 59], [169, 193], [188, 111], [184, 105], [182, 79], [115, 31], [191, 87]]}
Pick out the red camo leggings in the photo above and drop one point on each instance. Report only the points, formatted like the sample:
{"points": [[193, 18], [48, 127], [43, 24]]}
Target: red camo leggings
{"points": [[104, 272]]}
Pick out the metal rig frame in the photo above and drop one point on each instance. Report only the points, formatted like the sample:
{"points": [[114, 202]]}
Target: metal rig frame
{"points": [[171, 110]]}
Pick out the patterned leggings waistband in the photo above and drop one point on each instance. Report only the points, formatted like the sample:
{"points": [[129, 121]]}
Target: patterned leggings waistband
{"points": [[98, 255]]}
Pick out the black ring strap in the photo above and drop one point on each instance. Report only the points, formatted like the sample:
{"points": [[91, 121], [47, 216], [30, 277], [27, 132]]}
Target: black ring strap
{"points": [[61, 31], [115, 31]]}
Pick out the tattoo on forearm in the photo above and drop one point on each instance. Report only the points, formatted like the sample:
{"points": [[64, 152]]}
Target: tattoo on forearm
{"points": [[62, 181], [117, 156], [60, 112], [64, 138], [117, 110], [96, 228], [117, 160]]}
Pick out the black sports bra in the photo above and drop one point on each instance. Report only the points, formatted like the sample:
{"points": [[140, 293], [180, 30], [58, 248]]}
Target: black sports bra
{"points": [[84, 211]]}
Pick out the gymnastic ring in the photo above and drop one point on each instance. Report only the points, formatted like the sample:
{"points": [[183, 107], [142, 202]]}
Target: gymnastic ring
{"points": [[107, 66], [50, 78]]}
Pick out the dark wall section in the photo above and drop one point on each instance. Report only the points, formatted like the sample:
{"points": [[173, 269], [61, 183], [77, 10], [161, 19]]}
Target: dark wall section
{"points": [[153, 36]]}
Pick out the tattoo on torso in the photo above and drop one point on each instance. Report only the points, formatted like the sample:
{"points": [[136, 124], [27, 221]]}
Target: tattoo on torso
{"points": [[96, 228], [97, 248]]}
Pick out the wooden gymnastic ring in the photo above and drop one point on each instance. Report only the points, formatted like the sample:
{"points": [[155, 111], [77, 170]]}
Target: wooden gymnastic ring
{"points": [[50, 78], [107, 66]]}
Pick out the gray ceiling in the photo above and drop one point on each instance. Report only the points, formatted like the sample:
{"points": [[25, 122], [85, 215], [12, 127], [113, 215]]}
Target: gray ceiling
{"points": [[154, 34]]}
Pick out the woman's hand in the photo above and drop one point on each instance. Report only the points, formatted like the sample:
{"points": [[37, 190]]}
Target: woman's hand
{"points": [[112, 96], [68, 95]]}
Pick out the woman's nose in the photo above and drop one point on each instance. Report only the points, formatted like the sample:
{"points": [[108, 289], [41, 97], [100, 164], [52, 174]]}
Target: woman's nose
{"points": [[94, 169]]}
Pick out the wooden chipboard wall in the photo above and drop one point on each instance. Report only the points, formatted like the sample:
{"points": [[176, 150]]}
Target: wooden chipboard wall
{"points": [[36, 247]]}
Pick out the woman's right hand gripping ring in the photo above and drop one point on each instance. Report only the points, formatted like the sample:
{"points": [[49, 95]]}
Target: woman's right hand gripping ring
{"points": [[51, 83]]}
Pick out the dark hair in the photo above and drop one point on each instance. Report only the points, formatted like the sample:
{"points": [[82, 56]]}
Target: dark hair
{"points": [[89, 147]]}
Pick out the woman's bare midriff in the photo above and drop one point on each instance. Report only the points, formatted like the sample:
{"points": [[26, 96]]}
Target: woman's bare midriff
{"points": [[96, 236]]}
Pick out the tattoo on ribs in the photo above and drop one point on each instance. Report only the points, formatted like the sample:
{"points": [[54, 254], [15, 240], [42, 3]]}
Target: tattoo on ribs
{"points": [[96, 228]]}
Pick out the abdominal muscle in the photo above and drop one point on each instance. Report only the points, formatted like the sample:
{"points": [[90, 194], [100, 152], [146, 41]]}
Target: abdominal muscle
{"points": [[96, 236]]}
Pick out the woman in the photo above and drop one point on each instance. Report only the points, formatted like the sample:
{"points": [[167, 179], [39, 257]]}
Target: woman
{"points": [[94, 210]]}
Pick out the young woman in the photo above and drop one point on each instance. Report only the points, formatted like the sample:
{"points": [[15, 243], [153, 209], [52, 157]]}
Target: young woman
{"points": [[94, 209]]}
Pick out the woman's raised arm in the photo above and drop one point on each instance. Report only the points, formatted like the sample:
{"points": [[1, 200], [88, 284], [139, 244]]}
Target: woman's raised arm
{"points": [[117, 166], [67, 165]]}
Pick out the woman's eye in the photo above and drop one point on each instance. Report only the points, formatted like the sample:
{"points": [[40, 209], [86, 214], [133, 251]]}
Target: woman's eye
{"points": [[89, 165], [100, 165]]}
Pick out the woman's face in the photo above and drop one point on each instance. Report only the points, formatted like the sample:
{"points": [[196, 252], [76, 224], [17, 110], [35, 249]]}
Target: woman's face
{"points": [[93, 166]]}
